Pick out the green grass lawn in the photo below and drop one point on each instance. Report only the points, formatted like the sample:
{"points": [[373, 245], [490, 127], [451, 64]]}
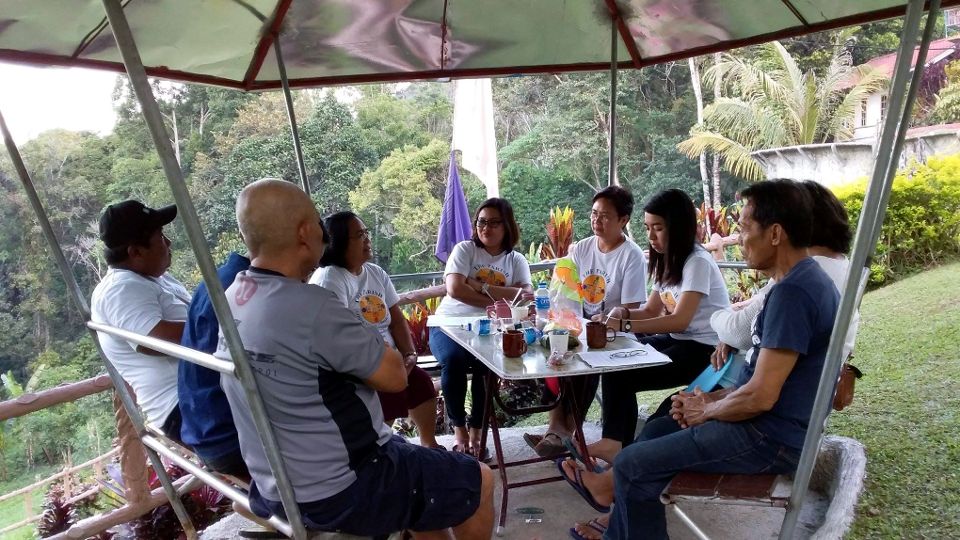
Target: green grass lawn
{"points": [[906, 410]]}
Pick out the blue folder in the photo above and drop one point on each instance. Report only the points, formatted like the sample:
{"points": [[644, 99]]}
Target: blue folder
{"points": [[710, 377]]}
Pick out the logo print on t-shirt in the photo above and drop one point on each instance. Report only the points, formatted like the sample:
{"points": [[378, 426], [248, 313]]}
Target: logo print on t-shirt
{"points": [[245, 291], [669, 302], [594, 289], [491, 277], [373, 309]]}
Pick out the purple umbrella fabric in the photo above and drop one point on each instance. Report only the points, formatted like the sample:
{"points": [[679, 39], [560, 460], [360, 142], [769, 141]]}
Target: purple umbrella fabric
{"points": [[455, 224]]}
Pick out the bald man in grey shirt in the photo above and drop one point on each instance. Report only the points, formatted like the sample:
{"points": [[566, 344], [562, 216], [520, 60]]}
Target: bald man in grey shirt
{"points": [[318, 368]]}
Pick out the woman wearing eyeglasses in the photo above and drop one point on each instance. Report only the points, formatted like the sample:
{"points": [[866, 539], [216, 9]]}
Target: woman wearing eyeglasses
{"points": [[479, 271], [613, 273], [366, 289]]}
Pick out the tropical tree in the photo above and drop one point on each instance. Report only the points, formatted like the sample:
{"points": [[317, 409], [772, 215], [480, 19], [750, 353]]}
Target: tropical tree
{"points": [[774, 104]]}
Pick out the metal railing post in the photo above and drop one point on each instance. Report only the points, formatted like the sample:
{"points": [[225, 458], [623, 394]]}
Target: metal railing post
{"points": [[288, 101], [81, 302], [612, 178], [151, 113], [868, 230]]}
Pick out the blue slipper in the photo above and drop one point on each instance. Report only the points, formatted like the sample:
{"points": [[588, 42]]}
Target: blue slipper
{"points": [[593, 524], [577, 484], [572, 448]]}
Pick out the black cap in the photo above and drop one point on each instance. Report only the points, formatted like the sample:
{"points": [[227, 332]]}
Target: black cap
{"points": [[126, 222]]}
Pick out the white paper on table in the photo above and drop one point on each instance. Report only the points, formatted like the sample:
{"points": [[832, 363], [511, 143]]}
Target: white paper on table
{"points": [[620, 358], [450, 320]]}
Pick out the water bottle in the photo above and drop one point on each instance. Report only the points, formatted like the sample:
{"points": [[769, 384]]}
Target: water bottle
{"points": [[542, 297]]}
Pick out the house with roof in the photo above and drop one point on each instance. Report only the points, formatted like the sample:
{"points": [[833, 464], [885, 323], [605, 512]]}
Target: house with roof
{"points": [[942, 52], [838, 163]]}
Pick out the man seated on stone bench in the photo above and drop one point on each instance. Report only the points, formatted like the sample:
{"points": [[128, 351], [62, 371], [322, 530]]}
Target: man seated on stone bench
{"points": [[757, 427], [318, 369]]}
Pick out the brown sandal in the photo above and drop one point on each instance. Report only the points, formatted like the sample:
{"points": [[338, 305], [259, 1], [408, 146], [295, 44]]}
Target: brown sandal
{"points": [[547, 445]]}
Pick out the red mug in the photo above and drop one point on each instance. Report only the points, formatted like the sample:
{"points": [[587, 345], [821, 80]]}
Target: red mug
{"points": [[598, 334], [514, 344]]}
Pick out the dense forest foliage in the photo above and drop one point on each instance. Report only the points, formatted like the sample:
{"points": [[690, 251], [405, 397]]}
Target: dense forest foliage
{"points": [[382, 150]]}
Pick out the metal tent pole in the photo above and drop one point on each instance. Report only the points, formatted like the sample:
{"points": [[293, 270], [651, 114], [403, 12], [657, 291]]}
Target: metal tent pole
{"points": [[868, 230], [288, 100], [188, 214], [129, 404], [612, 179]]}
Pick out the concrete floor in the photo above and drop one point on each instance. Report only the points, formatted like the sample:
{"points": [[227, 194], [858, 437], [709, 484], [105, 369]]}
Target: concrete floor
{"points": [[562, 507]]}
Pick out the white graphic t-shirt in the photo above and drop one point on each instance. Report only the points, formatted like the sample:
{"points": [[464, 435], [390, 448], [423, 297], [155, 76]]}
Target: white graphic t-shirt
{"points": [[610, 279], [369, 295], [508, 269], [700, 274]]}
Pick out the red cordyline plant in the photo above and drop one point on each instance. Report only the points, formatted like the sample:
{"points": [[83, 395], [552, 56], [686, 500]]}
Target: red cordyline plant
{"points": [[722, 221], [417, 321], [58, 514], [559, 233]]}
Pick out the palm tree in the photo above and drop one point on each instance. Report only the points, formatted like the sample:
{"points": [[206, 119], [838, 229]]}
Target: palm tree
{"points": [[779, 105]]}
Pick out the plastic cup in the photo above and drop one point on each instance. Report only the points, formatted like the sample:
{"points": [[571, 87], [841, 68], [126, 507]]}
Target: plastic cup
{"points": [[558, 344]]}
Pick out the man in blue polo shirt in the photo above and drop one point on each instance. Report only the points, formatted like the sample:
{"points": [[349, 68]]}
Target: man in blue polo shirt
{"points": [[207, 422], [758, 426]]}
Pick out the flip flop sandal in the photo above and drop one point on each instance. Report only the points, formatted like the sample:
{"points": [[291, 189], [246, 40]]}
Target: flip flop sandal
{"points": [[439, 447], [575, 454], [577, 484], [593, 524], [257, 531], [484, 455], [548, 448], [462, 449], [532, 440]]}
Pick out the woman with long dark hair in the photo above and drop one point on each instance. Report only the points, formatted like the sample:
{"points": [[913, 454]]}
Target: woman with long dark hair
{"points": [[366, 289], [479, 271], [687, 289]]}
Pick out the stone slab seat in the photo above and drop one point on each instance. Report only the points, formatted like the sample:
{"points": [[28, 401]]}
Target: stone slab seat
{"points": [[837, 480], [742, 489]]}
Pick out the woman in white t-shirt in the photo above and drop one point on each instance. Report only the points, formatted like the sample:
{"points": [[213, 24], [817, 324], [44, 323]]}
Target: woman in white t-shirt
{"points": [[687, 289], [479, 271], [366, 289], [613, 271]]}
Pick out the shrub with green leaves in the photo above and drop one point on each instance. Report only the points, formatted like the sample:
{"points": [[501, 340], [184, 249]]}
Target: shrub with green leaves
{"points": [[922, 224]]}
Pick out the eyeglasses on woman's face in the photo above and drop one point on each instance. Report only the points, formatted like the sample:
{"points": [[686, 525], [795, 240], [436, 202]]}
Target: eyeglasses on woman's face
{"points": [[361, 234], [491, 223]]}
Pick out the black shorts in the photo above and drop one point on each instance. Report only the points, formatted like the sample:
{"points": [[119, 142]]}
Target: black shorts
{"points": [[403, 487], [230, 463], [171, 426]]}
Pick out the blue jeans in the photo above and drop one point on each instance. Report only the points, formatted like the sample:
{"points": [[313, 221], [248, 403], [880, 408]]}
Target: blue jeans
{"points": [[455, 362], [642, 470]]}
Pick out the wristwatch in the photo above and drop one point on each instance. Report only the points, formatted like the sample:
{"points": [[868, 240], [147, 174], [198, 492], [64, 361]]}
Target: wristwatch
{"points": [[625, 321]]}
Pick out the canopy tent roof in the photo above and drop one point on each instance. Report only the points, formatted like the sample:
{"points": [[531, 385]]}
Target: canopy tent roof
{"points": [[325, 42]]}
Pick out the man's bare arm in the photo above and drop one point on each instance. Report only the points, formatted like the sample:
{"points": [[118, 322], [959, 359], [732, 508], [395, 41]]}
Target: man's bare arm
{"points": [[171, 331]]}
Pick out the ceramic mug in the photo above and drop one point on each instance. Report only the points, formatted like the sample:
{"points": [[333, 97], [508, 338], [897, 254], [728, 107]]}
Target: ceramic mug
{"points": [[514, 344], [599, 334]]}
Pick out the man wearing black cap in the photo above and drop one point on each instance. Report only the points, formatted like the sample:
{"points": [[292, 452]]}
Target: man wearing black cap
{"points": [[138, 295]]}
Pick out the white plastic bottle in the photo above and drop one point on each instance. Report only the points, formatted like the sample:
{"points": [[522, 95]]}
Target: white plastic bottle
{"points": [[542, 297]]}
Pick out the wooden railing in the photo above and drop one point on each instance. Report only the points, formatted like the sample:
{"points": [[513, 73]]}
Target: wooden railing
{"points": [[133, 461], [67, 476]]}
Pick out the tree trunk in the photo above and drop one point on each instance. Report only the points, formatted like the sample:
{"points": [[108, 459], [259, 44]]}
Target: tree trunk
{"points": [[716, 158], [698, 94]]}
